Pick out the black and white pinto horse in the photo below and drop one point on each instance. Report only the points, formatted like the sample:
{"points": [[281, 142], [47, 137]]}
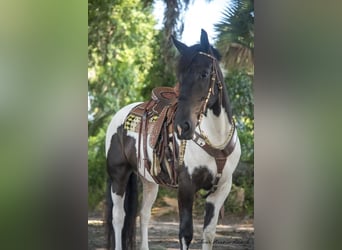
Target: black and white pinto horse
{"points": [[204, 110]]}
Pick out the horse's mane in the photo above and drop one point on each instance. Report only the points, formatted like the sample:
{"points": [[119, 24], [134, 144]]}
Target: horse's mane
{"points": [[186, 59]]}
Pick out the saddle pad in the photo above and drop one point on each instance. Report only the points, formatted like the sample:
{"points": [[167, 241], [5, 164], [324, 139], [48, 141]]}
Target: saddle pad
{"points": [[133, 123]]}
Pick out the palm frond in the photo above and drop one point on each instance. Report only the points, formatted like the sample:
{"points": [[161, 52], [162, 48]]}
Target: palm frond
{"points": [[236, 35]]}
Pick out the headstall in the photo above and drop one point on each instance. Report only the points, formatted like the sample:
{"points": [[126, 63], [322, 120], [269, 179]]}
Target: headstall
{"points": [[203, 141]]}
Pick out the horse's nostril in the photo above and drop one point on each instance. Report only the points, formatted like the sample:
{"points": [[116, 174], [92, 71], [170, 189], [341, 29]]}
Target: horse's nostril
{"points": [[183, 129], [186, 126]]}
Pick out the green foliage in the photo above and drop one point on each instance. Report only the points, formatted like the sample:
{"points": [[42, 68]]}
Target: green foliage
{"points": [[159, 74], [120, 55], [236, 35], [237, 24], [96, 167], [235, 40], [240, 91], [241, 196]]}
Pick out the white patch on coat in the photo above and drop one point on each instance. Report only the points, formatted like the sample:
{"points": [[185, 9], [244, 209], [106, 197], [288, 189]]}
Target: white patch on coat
{"points": [[118, 120], [216, 128], [141, 168]]}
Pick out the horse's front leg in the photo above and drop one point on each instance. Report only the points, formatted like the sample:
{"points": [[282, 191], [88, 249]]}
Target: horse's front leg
{"points": [[213, 205], [185, 201], [150, 191]]}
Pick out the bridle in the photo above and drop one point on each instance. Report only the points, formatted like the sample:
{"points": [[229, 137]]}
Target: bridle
{"points": [[211, 91], [201, 139], [204, 104]]}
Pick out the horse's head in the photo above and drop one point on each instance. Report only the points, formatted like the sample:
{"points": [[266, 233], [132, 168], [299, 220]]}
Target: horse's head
{"points": [[197, 76]]}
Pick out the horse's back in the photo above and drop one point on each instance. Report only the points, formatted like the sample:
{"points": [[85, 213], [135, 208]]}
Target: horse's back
{"points": [[117, 121]]}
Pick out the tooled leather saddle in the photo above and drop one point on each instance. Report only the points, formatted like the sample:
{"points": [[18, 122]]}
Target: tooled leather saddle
{"points": [[153, 121]]}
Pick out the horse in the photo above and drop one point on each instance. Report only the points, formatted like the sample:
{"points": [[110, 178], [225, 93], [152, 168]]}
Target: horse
{"points": [[208, 151]]}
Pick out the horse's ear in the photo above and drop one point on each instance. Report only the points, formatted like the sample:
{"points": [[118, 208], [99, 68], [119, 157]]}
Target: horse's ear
{"points": [[181, 47], [204, 40]]}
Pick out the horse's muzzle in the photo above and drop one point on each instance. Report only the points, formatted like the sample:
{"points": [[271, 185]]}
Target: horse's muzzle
{"points": [[184, 130]]}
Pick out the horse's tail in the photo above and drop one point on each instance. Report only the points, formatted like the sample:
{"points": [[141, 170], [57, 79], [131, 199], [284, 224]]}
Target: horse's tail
{"points": [[131, 208]]}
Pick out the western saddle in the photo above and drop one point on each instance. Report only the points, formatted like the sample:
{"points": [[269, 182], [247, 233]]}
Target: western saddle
{"points": [[154, 119]]}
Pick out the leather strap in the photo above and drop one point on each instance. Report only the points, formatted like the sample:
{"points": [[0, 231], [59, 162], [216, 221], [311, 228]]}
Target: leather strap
{"points": [[220, 155], [157, 127], [144, 134]]}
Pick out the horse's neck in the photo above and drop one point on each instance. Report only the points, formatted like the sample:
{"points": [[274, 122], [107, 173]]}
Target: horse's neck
{"points": [[216, 128]]}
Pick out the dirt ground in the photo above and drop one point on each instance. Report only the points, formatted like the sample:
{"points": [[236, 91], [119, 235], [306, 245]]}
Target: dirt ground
{"points": [[233, 233]]}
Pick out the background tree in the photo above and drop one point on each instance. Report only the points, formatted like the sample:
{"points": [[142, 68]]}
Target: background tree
{"points": [[172, 25], [236, 35], [120, 52], [235, 40], [160, 74]]}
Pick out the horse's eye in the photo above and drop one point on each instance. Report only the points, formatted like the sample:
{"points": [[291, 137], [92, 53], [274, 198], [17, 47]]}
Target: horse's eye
{"points": [[204, 74]]}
